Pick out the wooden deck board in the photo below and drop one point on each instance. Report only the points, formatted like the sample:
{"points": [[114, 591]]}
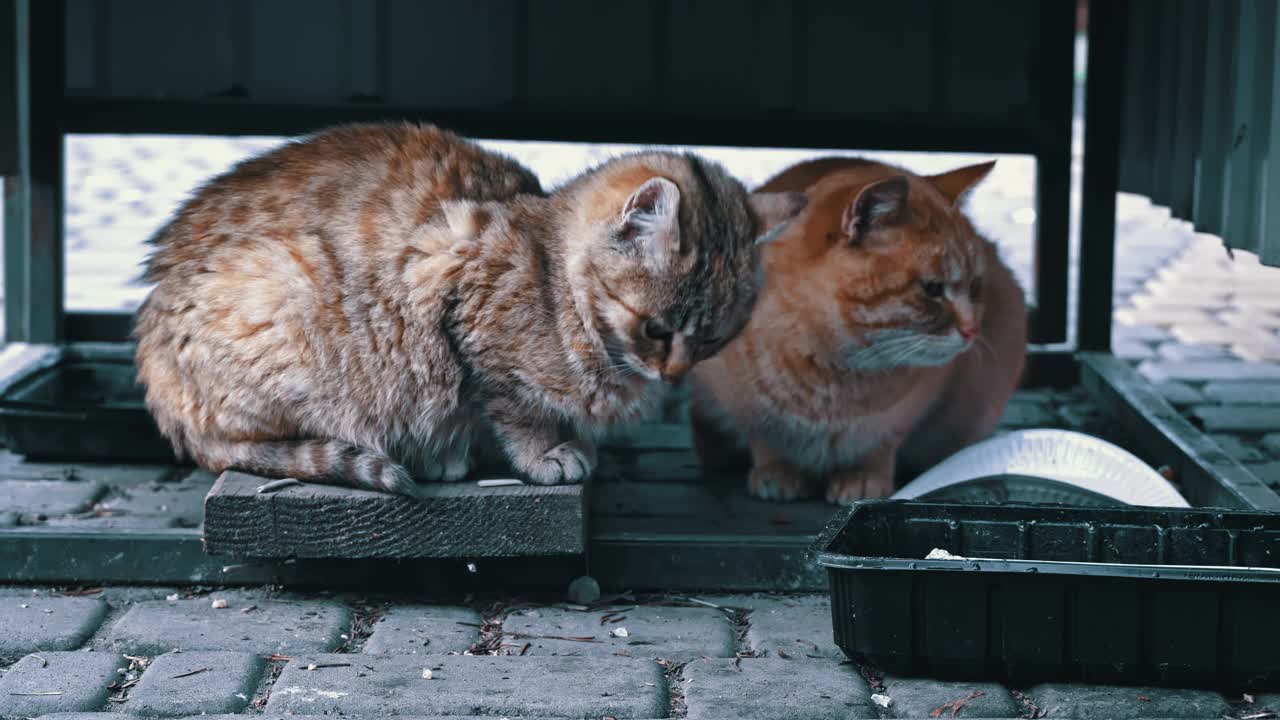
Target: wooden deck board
{"points": [[451, 520]]}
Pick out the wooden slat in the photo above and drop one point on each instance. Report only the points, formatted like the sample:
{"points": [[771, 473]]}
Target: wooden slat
{"points": [[452, 520]]}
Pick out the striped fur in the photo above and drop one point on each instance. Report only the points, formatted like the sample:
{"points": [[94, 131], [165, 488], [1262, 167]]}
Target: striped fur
{"points": [[888, 331], [373, 303]]}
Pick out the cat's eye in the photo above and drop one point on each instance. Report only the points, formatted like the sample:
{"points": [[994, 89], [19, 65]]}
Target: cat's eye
{"points": [[975, 289], [655, 329], [933, 288]]}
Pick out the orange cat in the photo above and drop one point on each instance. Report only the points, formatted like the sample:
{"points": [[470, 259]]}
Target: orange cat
{"points": [[888, 331]]}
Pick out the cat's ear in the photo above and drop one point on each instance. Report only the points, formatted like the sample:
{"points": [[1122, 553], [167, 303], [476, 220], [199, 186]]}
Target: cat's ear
{"points": [[651, 219], [954, 184], [879, 205], [773, 210]]}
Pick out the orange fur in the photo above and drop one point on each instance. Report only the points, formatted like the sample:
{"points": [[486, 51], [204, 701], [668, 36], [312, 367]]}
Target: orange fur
{"points": [[888, 333]]}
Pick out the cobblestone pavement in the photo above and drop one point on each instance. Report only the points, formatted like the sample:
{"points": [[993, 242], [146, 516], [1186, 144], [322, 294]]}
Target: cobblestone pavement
{"points": [[159, 652]]}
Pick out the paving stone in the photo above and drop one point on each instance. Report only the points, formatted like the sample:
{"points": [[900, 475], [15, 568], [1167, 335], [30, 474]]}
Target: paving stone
{"points": [[795, 626], [1209, 371], [1250, 318], [80, 677], [31, 624], [920, 697], [87, 716], [424, 630], [49, 497], [1184, 351], [14, 467], [1243, 393], [194, 683], [1267, 350], [1238, 418], [1178, 393], [1163, 318], [1095, 701], [149, 504], [1142, 333], [1268, 472], [775, 689], [382, 685], [1271, 443], [155, 627], [670, 633], [1132, 350], [1237, 448], [1214, 332]]}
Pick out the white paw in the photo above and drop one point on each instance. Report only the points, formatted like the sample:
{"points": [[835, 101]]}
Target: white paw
{"points": [[566, 463]]}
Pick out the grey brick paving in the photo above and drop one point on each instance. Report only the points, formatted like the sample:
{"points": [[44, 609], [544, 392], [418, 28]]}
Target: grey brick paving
{"points": [[49, 497], [80, 678], [1268, 472], [775, 689], [31, 624], [1238, 418], [1245, 452], [87, 716], [671, 633], [150, 504], [192, 683], [796, 626], [1209, 370], [155, 627], [1091, 701], [920, 697], [1271, 443], [1179, 352], [1179, 393], [424, 630], [1243, 393], [380, 685]]}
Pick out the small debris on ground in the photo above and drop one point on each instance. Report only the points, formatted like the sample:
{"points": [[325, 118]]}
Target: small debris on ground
{"points": [[426, 673], [219, 604], [197, 671], [955, 705], [173, 598], [619, 632], [883, 701]]}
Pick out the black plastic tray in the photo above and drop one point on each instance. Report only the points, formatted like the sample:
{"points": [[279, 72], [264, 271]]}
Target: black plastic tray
{"points": [[81, 409], [1127, 595]]}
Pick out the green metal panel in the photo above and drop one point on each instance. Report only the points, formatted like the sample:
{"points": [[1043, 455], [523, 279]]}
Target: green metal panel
{"points": [[1215, 100]]}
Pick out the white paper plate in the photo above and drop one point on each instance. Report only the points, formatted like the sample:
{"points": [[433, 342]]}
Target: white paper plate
{"points": [[1070, 457]]}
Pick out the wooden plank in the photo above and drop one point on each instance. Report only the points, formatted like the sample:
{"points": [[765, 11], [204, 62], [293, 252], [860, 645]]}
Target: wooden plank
{"points": [[452, 520]]}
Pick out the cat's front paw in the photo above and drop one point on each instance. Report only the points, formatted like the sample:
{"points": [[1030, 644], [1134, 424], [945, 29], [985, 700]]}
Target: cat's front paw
{"points": [[449, 468], [849, 486], [776, 481], [567, 463]]}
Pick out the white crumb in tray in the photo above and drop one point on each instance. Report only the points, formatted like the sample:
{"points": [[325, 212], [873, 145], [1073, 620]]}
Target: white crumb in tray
{"points": [[940, 554]]}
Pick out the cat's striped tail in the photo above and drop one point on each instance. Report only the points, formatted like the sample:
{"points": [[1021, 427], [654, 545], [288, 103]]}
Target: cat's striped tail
{"points": [[331, 462]]}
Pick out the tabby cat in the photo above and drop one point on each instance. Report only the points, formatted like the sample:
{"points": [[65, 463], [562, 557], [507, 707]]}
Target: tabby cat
{"points": [[888, 331], [365, 306]]}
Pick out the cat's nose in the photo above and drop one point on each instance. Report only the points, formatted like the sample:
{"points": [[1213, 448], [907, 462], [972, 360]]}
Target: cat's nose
{"points": [[968, 332], [679, 359]]}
